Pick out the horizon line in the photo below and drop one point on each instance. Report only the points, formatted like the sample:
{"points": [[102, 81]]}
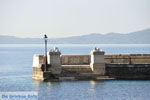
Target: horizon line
{"points": [[79, 35]]}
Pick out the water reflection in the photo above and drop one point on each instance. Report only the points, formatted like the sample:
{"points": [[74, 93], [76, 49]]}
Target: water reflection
{"points": [[93, 83]]}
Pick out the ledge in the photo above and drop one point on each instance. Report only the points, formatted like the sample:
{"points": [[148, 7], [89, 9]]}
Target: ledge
{"points": [[75, 66]]}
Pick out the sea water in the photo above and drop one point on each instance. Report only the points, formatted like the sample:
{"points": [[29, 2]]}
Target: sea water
{"points": [[16, 74]]}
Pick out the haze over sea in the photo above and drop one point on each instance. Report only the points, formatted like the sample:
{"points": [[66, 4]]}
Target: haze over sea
{"points": [[16, 74]]}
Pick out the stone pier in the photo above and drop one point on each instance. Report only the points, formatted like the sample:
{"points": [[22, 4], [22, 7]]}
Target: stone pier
{"points": [[94, 66]]}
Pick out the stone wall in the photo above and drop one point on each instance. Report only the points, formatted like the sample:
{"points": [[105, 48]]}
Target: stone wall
{"points": [[75, 59], [128, 71], [77, 68], [91, 66], [126, 59], [112, 58]]}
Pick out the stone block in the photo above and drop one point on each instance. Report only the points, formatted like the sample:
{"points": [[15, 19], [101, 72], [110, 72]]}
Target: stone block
{"points": [[38, 60]]}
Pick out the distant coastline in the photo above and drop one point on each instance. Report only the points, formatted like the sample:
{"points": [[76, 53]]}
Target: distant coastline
{"points": [[138, 37]]}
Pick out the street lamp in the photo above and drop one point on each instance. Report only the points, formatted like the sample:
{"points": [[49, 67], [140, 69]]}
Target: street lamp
{"points": [[45, 39]]}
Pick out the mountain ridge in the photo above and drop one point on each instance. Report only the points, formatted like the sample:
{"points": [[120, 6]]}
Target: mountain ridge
{"points": [[138, 37]]}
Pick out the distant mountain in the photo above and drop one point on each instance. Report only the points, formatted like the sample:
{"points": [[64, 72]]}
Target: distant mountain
{"points": [[139, 37]]}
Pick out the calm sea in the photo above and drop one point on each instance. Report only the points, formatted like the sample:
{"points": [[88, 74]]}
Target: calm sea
{"points": [[16, 73]]}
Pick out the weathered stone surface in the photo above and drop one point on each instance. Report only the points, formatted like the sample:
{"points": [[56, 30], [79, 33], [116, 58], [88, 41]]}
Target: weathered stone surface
{"points": [[37, 74], [97, 62], [77, 68], [75, 59], [38, 60], [54, 61], [67, 78], [128, 71], [130, 58]]}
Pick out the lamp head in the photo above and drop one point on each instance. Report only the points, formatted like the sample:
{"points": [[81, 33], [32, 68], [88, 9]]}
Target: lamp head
{"points": [[45, 37]]}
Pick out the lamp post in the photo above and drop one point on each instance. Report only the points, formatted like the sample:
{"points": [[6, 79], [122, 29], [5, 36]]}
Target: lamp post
{"points": [[45, 39]]}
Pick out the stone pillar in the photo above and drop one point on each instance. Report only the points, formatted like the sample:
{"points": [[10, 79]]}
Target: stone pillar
{"points": [[38, 67], [97, 61], [54, 61], [38, 60]]}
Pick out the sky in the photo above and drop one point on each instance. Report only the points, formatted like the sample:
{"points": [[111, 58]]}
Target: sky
{"points": [[63, 18]]}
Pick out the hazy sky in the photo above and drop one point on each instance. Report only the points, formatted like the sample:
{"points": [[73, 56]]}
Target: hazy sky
{"points": [[61, 18]]}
